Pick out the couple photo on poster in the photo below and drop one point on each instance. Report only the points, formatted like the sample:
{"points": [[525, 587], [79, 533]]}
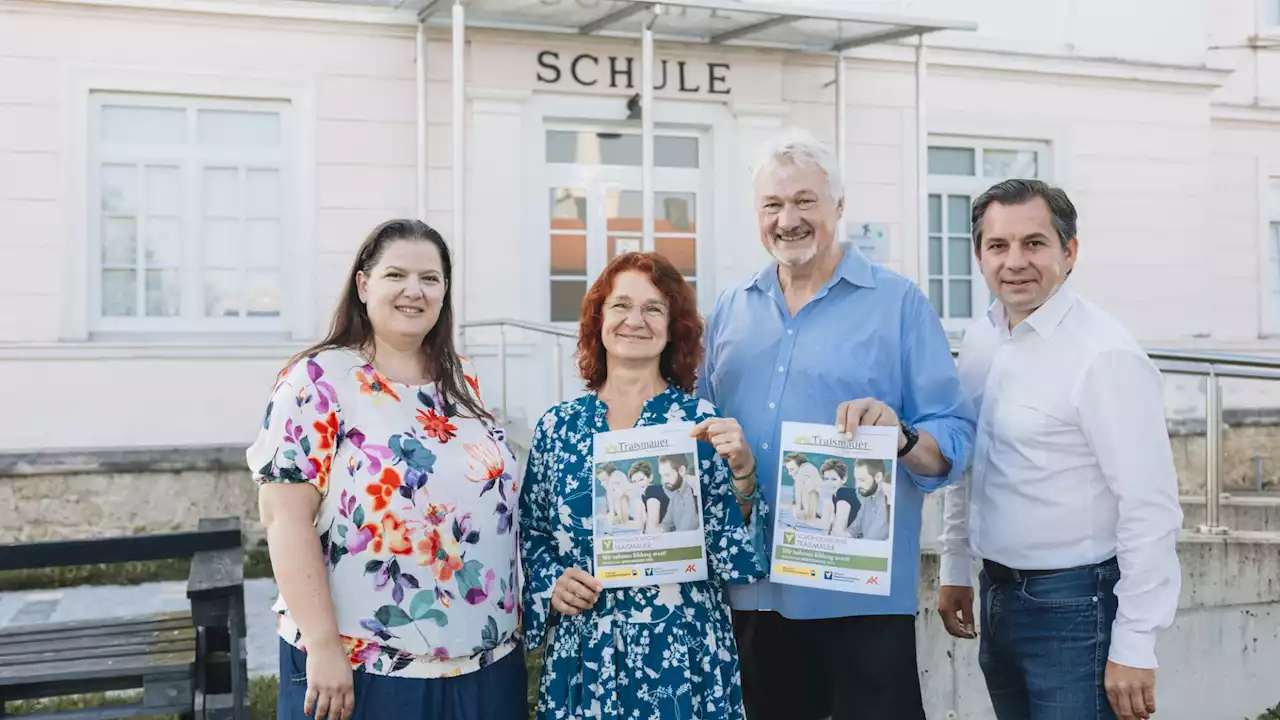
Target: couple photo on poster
{"points": [[837, 496], [636, 499], [833, 527], [647, 507]]}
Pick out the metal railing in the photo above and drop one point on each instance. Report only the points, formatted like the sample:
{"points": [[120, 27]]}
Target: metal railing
{"points": [[557, 353], [1211, 366]]}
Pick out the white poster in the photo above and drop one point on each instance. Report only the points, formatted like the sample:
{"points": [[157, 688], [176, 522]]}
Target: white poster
{"points": [[647, 504], [834, 524]]}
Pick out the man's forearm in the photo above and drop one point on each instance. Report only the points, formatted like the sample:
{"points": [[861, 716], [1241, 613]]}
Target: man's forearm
{"points": [[926, 458]]}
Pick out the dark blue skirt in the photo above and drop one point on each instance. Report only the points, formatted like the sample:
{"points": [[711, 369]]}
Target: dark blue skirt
{"points": [[497, 692]]}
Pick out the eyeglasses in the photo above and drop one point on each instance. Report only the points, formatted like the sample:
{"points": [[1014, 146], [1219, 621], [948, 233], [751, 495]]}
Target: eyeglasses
{"points": [[649, 311]]}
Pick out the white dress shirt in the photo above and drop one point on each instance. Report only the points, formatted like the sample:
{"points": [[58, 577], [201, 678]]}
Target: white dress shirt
{"points": [[1071, 464]]}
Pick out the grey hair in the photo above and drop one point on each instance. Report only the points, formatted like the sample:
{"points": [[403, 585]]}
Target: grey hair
{"points": [[796, 147]]}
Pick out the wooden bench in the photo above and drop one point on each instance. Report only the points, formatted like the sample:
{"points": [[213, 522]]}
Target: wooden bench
{"points": [[191, 664]]}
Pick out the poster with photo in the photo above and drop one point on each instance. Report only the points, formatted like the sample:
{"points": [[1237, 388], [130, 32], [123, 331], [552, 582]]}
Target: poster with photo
{"points": [[833, 527], [647, 507]]}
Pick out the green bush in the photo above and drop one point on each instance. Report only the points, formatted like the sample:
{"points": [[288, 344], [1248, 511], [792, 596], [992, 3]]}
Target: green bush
{"points": [[1272, 714], [257, 564], [262, 697], [262, 701]]}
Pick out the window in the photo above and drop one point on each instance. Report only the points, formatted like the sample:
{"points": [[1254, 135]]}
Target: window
{"points": [[188, 214], [597, 207], [960, 171], [1271, 13]]}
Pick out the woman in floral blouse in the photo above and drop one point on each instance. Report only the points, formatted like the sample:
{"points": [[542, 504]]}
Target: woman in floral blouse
{"points": [[376, 444], [663, 651]]}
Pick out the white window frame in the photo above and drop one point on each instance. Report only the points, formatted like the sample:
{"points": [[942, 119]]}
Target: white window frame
{"points": [[598, 180], [86, 89], [972, 186], [191, 161]]}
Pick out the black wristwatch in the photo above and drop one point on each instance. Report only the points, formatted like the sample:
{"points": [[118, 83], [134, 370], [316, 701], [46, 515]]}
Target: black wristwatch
{"points": [[913, 436]]}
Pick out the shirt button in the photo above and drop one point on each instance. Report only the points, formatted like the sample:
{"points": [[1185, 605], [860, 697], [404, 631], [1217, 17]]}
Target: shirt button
{"points": [[791, 332], [781, 368], [764, 445], [772, 405]]}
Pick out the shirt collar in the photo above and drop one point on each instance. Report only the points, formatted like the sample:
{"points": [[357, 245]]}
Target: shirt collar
{"points": [[1046, 318], [854, 267]]}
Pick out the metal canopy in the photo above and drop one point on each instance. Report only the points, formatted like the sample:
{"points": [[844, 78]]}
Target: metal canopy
{"points": [[813, 28]]}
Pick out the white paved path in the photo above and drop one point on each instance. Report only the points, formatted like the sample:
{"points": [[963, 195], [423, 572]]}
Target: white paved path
{"points": [[89, 602]]}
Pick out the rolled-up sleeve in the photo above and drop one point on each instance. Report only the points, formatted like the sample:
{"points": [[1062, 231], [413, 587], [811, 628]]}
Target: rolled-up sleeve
{"points": [[933, 399], [1120, 398]]}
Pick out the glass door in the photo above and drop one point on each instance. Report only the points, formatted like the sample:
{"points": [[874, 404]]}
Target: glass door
{"points": [[597, 207]]}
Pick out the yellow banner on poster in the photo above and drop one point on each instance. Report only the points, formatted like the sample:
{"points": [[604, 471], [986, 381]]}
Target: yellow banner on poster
{"points": [[794, 570]]}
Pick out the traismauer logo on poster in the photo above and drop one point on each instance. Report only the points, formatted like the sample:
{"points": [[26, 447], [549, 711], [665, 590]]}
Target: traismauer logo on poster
{"points": [[624, 446], [832, 443]]}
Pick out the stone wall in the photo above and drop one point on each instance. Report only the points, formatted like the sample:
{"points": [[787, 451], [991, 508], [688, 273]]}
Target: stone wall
{"points": [[1227, 629], [48, 495], [81, 494], [1250, 451]]}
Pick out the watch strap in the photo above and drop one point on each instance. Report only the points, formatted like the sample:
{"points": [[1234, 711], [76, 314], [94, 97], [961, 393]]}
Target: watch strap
{"points": [[913, 436]]}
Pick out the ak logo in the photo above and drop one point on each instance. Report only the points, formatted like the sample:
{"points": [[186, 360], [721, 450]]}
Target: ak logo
{"points": [[690, 568], [826, 574], [788, 537], [608, 544], [873, 580]]}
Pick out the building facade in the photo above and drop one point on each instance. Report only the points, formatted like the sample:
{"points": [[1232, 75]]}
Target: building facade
{"points": [[183, 182]]}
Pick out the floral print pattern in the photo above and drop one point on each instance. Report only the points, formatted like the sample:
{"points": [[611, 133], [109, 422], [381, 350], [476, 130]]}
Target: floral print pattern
{"points": [[415, 518], [663, 651]]}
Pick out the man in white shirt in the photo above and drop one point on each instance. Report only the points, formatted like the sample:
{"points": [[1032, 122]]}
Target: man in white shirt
{"points": [[1072, 504]]}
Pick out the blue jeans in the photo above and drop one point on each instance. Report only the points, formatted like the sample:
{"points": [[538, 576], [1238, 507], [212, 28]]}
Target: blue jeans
{"points": [[1044, 642], [497, 692]]}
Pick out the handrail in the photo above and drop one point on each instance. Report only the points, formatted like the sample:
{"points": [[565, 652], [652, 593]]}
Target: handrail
{"points": [[557, 353], [1213, 366], [523, 325]]}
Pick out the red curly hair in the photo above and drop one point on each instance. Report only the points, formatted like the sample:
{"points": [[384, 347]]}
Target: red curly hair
{"points": [[683, 353]]}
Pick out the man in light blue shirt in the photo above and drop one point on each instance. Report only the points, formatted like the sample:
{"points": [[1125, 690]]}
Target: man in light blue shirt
{"points": [[821, 335]]}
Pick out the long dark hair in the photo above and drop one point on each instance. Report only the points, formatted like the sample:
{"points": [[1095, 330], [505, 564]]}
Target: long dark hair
{"points": [[350, 326]]}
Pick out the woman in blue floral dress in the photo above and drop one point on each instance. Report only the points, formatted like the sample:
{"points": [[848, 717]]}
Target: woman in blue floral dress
{"points": [[664, 651]]}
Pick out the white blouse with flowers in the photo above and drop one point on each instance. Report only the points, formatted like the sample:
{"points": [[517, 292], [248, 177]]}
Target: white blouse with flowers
{"points": [[417, 518]]}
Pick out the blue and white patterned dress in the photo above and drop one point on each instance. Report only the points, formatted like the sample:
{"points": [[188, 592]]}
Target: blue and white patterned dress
{"points": [[663, 651]]}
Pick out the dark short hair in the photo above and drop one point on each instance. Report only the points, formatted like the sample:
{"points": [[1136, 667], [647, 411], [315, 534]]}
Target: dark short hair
{"points": [[837, 465], [795, 457], [1019, 192], [873, 466], [643, 466], [676, 461]]}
